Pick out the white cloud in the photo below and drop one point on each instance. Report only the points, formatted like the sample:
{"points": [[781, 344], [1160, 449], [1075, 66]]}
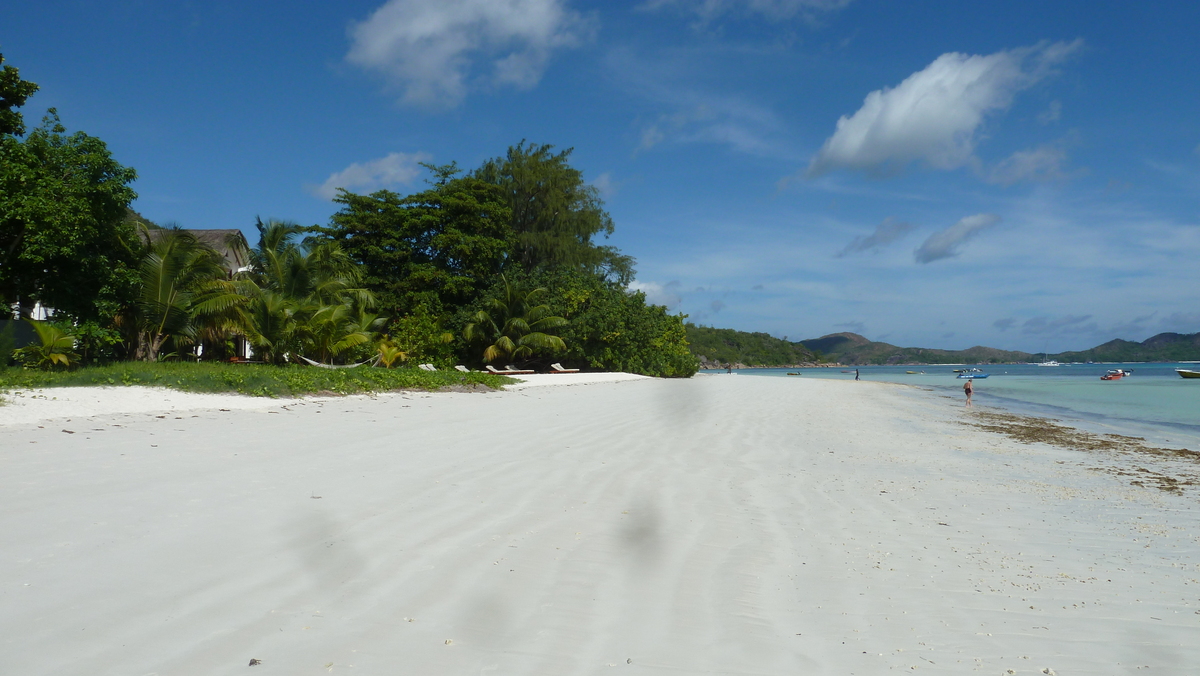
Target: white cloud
{"points": [[775, 10], [737, 124], [394, 170], [1067, 324], [935, 114], [1181, 322], [436, 51], [659, 294], [605, 184], [1040, 164], [885, 233], [1051, 114], [945, 243]]}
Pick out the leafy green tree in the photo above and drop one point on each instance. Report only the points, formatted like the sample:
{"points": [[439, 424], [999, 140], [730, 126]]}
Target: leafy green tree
{"points": [[438, 248], [513, 326], [13, 93], [422, 337], [555, 215], [63, 239]]}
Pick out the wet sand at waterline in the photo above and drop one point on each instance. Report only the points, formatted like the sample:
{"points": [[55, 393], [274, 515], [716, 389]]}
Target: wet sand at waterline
{"points": [[720, 525]]}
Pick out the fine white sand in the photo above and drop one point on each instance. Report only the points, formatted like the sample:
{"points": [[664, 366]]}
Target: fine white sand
{"points": [[716, 525]]}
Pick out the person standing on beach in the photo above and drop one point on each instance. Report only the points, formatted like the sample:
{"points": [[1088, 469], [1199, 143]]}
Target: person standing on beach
{"points": [[969, 389], [856, 374]]}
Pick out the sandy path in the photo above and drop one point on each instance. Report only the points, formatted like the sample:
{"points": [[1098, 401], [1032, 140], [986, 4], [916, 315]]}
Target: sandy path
{"points": [[717, 525]]}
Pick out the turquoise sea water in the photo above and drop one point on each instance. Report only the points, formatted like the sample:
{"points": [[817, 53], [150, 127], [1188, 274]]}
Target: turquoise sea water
{"points": [[1154, 402]]}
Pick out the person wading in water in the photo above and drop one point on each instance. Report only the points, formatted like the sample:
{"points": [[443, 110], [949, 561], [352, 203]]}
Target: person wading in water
{"points": [[969, 389]]}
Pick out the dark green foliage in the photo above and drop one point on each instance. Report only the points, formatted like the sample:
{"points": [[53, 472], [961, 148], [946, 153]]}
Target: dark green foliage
{"points": [[256, 380], [515, 325], [555, 215], [422, 338], [63, 237], [304, 298], [96, 343], [753, 349], [14, 333], [611, 329], [438, 248], [13, 93]]}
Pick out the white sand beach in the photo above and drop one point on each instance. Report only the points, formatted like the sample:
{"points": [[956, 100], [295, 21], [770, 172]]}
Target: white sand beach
{"points": [[717, 525]]}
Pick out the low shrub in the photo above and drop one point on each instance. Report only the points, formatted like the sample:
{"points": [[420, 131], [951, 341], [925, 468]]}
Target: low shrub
{"points": [[252, 379]]}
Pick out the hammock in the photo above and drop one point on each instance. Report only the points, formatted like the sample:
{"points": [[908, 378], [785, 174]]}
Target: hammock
{"points": [[335, 366]]}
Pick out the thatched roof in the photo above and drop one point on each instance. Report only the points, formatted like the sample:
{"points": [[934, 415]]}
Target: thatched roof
{"points": [[228, 242]]}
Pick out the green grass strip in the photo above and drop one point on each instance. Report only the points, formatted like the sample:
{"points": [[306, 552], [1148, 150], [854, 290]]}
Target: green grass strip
{"points": [[252, 379]]}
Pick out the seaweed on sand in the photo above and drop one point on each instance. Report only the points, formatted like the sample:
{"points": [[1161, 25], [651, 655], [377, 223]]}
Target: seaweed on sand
{"points": [[1032, 430]]}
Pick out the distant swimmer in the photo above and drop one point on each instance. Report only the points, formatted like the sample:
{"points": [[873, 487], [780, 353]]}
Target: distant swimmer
{"points": [[969, 389]]}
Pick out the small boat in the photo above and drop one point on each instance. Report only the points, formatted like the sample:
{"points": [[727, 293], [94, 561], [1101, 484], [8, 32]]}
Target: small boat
{"points": [[1116, 374], [972, 376], [913, 372], [1187, 373], [1049, 363], [795, 374]]}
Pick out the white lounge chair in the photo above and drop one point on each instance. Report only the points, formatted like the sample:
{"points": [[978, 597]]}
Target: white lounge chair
{"points": [[427, 367], [507, 372], [558, 368], [462, 368], [332, 366]]}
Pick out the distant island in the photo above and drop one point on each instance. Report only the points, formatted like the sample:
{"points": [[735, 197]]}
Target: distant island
{"points": [[720, 347]]}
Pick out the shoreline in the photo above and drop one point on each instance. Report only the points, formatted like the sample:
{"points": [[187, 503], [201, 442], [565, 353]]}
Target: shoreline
{"points": [[721, 525], [31, 405]]}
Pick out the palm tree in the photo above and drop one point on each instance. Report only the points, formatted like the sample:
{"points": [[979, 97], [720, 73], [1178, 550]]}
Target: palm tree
{"points": [[181, 289], [305, 297], [514, 327], [56, 348]]}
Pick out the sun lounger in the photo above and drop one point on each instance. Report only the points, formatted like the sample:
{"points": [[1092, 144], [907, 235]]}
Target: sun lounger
{"points": [[427, 367], [507, 372], [462, 368], [558, 368]]}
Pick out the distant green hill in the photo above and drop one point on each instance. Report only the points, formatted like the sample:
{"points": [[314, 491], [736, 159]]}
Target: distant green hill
{"points": [[728, 346], [851, 348], [761, 349], [1163, 347]]}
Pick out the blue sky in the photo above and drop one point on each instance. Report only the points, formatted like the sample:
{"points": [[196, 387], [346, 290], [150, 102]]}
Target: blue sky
{"points": [[1024, 175]]}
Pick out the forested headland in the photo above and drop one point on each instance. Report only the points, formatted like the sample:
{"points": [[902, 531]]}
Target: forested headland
{"points": [[501, 264], [728, 346]]}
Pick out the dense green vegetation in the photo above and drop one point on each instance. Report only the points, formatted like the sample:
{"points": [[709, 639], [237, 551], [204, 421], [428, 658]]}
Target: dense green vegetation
{"points": [[250, 379], [1165, 347], [501, 264], [612, 329], [752, 349]]}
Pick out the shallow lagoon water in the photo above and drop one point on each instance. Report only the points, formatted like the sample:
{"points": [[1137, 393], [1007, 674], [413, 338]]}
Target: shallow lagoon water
{"points": [[1154, 402]]}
